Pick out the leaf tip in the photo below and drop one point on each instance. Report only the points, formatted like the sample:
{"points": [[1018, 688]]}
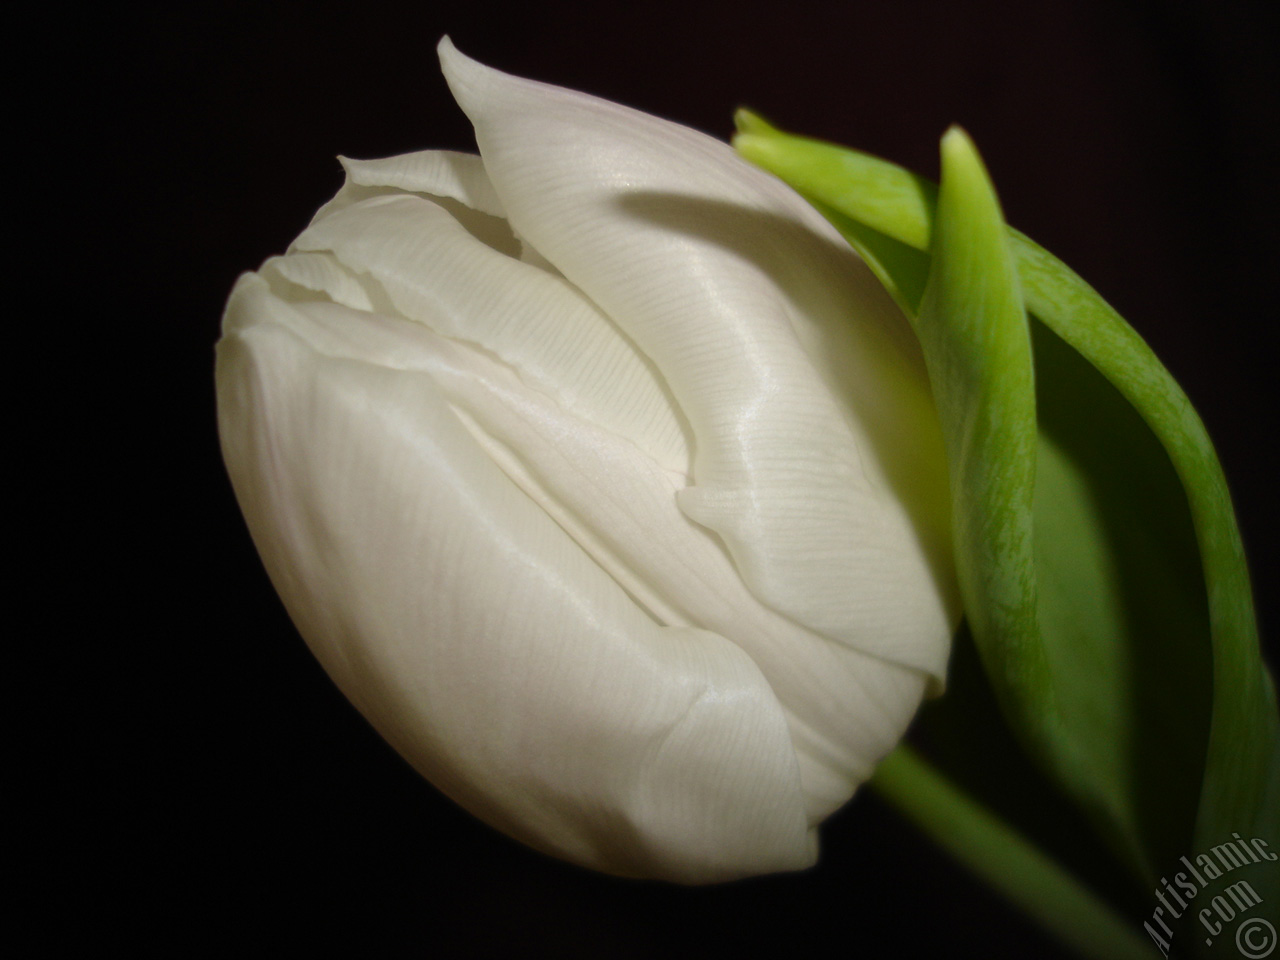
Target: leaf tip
{"points": [[750, 122], [957, 144]]}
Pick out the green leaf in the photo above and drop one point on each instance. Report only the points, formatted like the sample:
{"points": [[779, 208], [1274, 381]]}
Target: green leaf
{"points": [[977, 345], [884, 197], [1127, 660], [1241, 780]]}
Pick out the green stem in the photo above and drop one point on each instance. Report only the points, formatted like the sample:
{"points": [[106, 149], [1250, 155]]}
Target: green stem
{"points": [[1006, 860]]}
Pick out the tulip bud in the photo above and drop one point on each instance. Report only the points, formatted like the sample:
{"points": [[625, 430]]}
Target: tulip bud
{"points": [[602, 477]]}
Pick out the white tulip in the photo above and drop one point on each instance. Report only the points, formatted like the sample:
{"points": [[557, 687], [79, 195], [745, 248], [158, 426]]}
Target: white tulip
{"points": [[602, 477]]}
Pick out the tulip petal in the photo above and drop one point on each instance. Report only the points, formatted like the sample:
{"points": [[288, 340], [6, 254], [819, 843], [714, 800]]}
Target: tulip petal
{"points": [[434, 271], [439, 173], [746, 301], [846, 709], [319, 273], [471, 630], [436, 173]]}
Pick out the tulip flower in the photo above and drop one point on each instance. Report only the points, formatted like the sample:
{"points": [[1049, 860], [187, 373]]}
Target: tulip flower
{"points": [[603, 478]]}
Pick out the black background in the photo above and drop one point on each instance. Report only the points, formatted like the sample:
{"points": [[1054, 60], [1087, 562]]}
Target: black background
{"points": [[213, 786]]}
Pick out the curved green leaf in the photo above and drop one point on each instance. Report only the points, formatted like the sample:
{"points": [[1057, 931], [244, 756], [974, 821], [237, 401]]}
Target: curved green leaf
{"points": [[1143, 692], [977, 345], [1241, 782]]}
